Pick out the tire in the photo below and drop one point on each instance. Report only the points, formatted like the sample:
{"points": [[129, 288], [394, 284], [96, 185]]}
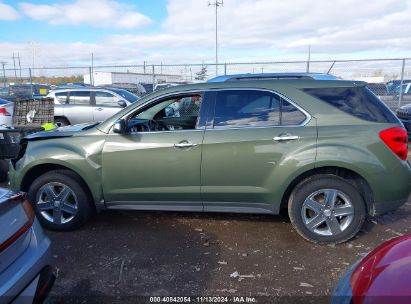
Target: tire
{"points": [[71, 204], [61, 122], [326, 209], [4, 170]]}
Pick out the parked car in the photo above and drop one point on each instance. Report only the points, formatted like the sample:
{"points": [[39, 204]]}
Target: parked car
{"points": [[404, 114], [6, 113], [393, 84], [4, 92], [83, 105], [135, 88], [382, 276], [405, 88], [378, 89], [18, 91], [25, 272], [330, 152]]}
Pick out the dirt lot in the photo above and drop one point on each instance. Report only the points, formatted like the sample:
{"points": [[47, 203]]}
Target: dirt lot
{"points": [[178, 254], [120, 255]]}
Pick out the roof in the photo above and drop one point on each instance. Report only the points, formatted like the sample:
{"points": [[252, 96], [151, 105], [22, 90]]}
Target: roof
{"points": [[273, 76]]}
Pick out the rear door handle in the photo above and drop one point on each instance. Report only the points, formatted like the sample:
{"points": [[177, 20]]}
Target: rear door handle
{"points": [[184, 145], [284, 138], [99, 109]]}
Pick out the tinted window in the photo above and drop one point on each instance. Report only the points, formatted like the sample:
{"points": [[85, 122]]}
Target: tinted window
{"points": [[80, 97], [358, 101], [106, 99], [254, 108], [126, 95], [290, 115], [61, 97]]}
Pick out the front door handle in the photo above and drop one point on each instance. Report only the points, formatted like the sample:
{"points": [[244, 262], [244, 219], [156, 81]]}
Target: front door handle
{"points": [[185, 144], [286, 137], [99, 109]]}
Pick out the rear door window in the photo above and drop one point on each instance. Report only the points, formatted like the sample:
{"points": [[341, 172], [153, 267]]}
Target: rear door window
{"points": [[80, 98], [61, 97], [253, 108], [357, 101]]}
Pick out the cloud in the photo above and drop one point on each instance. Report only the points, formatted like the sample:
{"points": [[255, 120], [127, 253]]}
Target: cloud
{"points": [[8, 12], [98, 13], [249, 30], [329, 26]]}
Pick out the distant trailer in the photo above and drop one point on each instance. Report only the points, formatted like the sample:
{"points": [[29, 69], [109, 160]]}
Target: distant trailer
{"points": [[113, 78]]}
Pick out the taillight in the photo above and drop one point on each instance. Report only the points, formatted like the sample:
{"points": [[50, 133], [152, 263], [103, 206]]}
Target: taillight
{"points": [[4, 112], [396, 139], [30, 218]]}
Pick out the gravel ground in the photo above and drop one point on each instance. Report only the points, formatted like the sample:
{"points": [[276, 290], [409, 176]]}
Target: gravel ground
{"points": [[178, 254]]}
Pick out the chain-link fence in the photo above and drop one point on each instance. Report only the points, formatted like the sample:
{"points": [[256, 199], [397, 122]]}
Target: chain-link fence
{"points": [[388, 78]]}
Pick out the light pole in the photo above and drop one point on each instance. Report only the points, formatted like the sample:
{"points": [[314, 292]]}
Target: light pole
{"points": [[216, 4], [3, 63]]}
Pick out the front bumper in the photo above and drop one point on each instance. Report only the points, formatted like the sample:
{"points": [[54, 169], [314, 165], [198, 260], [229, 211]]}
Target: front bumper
{"points": [[19, 278], [342, 293], [12, 176], [38, 289]]}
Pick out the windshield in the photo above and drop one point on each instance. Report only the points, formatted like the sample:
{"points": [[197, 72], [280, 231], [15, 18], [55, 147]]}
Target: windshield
{"points": [[126, 94]]}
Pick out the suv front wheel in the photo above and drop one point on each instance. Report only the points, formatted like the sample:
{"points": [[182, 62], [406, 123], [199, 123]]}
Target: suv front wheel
{"points": [[60, 200], [326, 209]]}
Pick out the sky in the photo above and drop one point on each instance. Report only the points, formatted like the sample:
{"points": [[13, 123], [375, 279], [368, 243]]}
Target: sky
{"points": [[65, 33]]}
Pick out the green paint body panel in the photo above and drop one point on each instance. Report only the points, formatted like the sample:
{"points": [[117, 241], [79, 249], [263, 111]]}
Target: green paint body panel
{"points": [[238, 167]]}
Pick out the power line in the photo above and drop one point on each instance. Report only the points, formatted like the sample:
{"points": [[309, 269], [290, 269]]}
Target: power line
{"points": [[216, 4]]}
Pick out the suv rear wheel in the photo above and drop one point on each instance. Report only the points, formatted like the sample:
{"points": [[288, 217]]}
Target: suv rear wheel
{"points": [[326, 209], [60, 201]]}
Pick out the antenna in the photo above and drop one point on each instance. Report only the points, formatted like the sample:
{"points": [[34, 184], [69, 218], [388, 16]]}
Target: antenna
{"points": [[216, 4]]}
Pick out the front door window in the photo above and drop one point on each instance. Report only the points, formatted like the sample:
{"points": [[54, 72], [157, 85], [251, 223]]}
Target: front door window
{"points": [[177, 113]]}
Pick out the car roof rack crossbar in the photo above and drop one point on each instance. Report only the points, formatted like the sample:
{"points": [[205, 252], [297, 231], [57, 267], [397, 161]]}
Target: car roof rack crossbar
{"points": [[273, 76]]}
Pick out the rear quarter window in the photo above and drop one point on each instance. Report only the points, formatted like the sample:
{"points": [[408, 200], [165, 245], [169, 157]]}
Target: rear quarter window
{"points": [[357, 101]]}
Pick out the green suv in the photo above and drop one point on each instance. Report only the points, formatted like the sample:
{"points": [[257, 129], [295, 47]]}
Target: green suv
{"points": [[328, 151]]}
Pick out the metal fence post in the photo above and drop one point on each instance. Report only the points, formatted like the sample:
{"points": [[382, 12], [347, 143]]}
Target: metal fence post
{"points": [[31, 81], [154, 77], [225, 68], [402, 82], [91, 76], [4, 75]]}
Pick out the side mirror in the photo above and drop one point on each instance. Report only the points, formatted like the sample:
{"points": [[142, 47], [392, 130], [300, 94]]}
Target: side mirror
{"points": [[119, 127], [122, 103]]}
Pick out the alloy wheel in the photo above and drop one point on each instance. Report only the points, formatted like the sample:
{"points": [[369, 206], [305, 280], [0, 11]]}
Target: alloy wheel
{"points": [[57, 203], [327, 212]]}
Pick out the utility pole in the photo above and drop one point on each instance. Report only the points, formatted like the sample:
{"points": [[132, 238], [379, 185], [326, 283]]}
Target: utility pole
{"points": [[92, 69], [309, 58], [18, 56], [14, 63], [216, 4], [3, 63]]}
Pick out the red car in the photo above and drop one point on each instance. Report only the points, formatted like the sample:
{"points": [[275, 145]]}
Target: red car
{"points": [[383, 276]]}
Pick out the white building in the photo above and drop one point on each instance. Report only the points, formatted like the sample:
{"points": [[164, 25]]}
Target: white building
{"points": [[112, 78]]}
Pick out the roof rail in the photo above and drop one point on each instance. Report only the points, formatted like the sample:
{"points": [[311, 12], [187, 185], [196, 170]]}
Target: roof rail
{"points": [[273, 76]]}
